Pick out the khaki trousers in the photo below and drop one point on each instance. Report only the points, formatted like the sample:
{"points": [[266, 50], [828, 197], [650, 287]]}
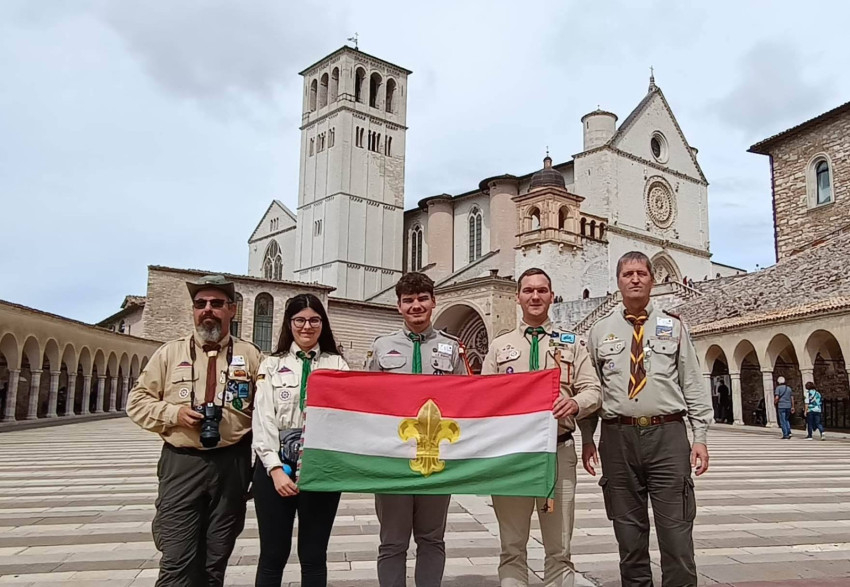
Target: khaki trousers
{"points": [[514, 516]]}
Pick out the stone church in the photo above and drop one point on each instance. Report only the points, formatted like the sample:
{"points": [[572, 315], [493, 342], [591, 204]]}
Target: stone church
{"points": [[633, 186]]}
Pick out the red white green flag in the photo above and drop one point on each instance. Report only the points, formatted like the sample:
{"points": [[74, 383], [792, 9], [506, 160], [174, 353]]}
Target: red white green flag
{"points": [[426, 434]]}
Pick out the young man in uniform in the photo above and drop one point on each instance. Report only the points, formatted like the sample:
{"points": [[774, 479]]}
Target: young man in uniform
{"points": [[205, 467], [536, 344], [416, 348], [651, 382]]}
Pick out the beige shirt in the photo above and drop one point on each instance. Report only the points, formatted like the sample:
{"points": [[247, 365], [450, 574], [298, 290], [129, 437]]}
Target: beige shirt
{"points": [[168, 380], [674, 379], [510, 352], [278, 403], [393, 353]]}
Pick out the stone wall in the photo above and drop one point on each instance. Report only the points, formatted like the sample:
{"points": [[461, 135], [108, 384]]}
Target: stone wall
{"points": [[356, 324], [567, 314], [798, 222]]}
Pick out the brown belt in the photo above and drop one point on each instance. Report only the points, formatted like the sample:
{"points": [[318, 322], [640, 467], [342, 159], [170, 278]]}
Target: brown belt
{"points": [[565, 437], [645, 421]]}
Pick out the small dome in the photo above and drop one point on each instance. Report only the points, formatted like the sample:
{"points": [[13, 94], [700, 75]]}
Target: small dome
{"points": [[547, 177]]}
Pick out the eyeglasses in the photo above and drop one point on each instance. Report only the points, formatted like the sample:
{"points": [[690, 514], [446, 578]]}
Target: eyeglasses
{"points": [[216, 303], [300, 322]]}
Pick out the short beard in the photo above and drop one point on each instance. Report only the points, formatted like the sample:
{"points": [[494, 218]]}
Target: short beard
{"points": [[210, 334]]}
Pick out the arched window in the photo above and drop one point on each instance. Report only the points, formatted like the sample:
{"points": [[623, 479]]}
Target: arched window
{"points": [[534, 216], [323, 91], [563, 214], [388, 147], [416, 248], [273, 262], [391, 85], [314, 88], [474, 234], [374, 89], [333, 92], [236, 323], [359, 78], [592, 229], [601, 230], [583, 227], [824, 187], [585, 294], [263, 313]]}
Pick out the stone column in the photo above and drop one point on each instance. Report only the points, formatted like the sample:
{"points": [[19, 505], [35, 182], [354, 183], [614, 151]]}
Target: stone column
{"points": [[53, 394], [737, 404], [71, 396], [35, 384], [11, 395], [807, 375], [86, 394], [125, 393], [101, 392], [769, 408], [113, 392]]}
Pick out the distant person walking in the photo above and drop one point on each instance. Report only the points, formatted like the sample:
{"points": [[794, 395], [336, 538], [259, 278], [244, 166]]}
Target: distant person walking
{"points": [[783, 398], [725, 402], [814, 408]]}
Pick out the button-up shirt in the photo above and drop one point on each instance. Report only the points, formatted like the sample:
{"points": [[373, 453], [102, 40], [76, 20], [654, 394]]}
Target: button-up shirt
{"points": [[393, 353]]}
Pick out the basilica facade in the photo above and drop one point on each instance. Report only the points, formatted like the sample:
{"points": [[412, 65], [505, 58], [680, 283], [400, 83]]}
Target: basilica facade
{"points": [[636, 185]]}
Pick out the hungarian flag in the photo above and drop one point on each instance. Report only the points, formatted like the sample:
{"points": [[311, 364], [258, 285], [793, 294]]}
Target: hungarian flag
{"points": [[426, 434]]}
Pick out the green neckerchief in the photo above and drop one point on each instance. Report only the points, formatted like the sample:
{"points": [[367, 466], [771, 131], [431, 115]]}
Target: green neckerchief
{"points": [[534, 357], [306, 362], [417, 351]]}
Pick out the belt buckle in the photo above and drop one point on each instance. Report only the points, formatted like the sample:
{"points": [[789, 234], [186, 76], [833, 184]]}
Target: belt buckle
{"points": [[643, 421]]}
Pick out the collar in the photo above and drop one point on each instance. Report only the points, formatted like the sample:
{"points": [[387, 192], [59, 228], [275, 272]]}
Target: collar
{"points": [[425, 334], [294, 348], [547, 326]]}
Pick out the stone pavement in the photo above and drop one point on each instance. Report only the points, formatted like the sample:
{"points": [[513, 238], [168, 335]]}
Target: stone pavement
{"points": [[76, 503]]}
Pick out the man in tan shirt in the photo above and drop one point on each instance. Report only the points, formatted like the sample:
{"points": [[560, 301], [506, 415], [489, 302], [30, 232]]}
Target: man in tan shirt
{"points": [[536, 344], [205, 468]]}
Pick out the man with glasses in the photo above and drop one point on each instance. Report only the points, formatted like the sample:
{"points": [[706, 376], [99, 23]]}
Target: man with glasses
{"points": [[197, 393], [418, 348]]}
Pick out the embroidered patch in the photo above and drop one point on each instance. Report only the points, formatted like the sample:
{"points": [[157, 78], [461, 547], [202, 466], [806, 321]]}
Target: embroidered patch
{"points": [[662, 331], [611, 337], [184, 393], [261, 376], [568, 338], [393, 353], [445, 349], [664, 322], [238, 361], [284, 394], [509, 370], [284, 369], [184, 364], [240, 373], [611, 365]]}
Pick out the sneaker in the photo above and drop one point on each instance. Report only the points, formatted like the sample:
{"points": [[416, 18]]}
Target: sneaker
{"points": [[822, 436], [809, 438]]}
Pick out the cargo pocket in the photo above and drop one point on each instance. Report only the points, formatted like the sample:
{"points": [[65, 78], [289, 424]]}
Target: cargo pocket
{"points": [[689, 502], [606, 496]]}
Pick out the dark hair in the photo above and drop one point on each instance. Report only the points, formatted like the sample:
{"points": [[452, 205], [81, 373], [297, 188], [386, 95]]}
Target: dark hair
{"points": [[810, 385], [414, 283], [295, 305], [529, 272], [634, 256]]}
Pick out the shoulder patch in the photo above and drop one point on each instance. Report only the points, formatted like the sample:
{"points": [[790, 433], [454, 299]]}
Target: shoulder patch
{"points": [[449, 336], [674, 315]]}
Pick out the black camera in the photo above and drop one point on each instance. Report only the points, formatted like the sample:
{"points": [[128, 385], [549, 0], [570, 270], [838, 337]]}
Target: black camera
{"points": [[290, 447], [210, 435]]}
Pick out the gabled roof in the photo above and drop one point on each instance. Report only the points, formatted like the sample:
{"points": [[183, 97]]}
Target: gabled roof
{"points": [[635, 114], [282, 206], [763, 147]]}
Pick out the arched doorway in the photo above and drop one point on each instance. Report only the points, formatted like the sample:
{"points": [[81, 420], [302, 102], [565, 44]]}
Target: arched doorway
{"points": [[753, 404], [829, 374], [464, 322], [783, 357], [721, 384]]}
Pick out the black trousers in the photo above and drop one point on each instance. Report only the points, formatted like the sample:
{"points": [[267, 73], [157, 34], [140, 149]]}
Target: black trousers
{"points": [[276, 519], [200, 510], [653, 461]]}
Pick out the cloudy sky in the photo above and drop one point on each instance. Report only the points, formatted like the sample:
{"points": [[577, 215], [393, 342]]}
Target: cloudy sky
{"points": [[157, 132]]}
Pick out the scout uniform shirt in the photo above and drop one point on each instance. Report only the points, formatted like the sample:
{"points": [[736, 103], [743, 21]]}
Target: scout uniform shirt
{"points": [[166, 384], [393, 353], [278, 403], [510, 352], [674, 381]]}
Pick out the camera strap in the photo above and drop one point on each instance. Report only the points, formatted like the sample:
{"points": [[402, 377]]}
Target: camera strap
{"points": [[193, 356]]}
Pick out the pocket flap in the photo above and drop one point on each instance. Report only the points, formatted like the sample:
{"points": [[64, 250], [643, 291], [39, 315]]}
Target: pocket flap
{"points": [[392, 361], [441, 362], [663, 346], [611, 348]]}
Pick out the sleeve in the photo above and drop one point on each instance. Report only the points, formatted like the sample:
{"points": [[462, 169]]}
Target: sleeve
{"points": [[460, 362], [372, 359], [775, 392], [697, 396], [342, 365], [588, 394], [145, 405], [489, 366], [588, 424], [266, 443]]}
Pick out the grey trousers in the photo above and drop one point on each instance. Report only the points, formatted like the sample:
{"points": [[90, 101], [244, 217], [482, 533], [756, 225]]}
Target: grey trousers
{"points": [[653, 461], [200, 510], [425, 516]]}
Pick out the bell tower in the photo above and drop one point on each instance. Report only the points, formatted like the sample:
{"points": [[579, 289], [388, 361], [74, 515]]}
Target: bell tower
{"points": [[351, 180]]}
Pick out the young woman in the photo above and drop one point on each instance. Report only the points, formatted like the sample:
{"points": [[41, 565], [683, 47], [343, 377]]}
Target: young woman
{"points": [[306, 344]]}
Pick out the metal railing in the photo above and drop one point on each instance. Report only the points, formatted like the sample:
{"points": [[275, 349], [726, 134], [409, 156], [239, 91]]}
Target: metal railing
{"points": [[836, 413]]}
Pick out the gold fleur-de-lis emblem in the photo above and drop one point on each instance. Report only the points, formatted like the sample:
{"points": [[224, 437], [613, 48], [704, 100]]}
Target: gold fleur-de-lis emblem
{"points": [[428, 429]]}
